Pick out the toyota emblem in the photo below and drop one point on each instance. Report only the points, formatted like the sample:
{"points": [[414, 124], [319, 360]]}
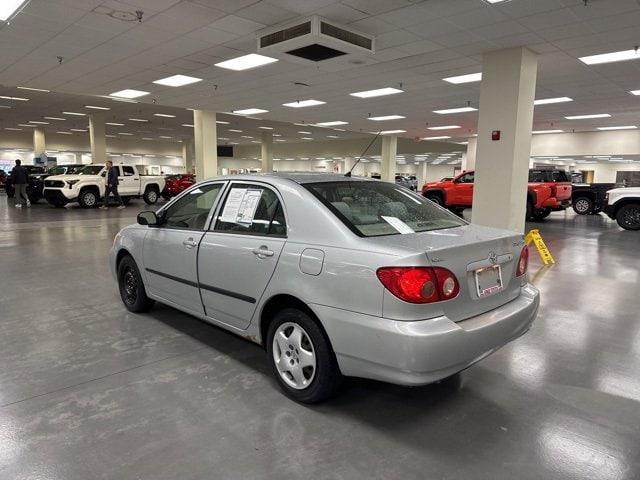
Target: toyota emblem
{"points": [[493, 258]]}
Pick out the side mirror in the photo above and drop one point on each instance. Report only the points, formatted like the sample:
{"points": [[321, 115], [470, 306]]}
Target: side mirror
{"points": [[148, 218]]}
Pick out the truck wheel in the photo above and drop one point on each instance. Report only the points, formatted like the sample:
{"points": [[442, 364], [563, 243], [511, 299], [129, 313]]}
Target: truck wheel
{"points": [[150, 196], [583, 205], [628, 216], [540, 213], [434, 198], [88, 199]]}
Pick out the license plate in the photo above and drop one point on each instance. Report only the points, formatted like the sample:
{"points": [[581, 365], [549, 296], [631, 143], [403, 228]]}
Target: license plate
{"points": [[488, 281]]}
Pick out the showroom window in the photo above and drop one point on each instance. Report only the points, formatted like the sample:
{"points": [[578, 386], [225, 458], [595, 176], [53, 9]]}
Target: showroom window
{"points": [[192, 210], [253, 210]]}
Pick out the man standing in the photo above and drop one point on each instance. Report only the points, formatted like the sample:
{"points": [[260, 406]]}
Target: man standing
{"points": [[111, 186], [20, 180]]}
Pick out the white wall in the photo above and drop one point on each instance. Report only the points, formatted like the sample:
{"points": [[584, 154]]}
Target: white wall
{"points": [[620, 142]]}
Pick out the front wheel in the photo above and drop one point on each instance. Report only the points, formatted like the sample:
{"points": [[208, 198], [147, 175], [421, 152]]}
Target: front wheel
{"points": [[435, 199], [628, 216], [540, 213], [150, 196], [88, 199], [301, 357], [132, 291], [583, 205]]}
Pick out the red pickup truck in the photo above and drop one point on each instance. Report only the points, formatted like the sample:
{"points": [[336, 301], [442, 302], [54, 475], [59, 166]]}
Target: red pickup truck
{"points": [[549, 190]]}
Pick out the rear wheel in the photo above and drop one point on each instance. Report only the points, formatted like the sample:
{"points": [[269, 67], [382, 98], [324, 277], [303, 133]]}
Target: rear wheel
{"points": [[434, 198], [540, 213], [628, 216], [583, 205], [132, 291], [301, 357], [150, 196], [88, 199]]}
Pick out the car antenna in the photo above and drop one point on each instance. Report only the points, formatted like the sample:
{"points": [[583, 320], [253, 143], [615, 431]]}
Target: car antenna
{"points": [[348, 174]]}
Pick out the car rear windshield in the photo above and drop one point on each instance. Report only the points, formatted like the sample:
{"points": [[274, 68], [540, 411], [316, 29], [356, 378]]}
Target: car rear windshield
{"points": [[541, 176], [378, 208]]}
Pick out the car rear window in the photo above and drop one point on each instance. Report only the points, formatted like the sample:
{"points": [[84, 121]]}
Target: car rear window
{"points": [[373, 209]]}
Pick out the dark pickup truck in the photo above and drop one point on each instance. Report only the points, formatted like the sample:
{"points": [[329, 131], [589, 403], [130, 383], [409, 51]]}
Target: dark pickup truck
{"points": [[589, 198]]}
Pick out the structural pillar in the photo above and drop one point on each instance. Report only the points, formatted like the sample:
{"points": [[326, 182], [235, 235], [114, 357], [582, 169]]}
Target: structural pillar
{"points": [[98, 139], [504, 138], [188, 155], [206, 143], [39, 144], [347, 164], [422, 175], [267, 152], [388, 162], [469, 157]]}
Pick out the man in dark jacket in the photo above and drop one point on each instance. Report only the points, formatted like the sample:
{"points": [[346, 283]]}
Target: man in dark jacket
{"points": [[111, 186], [20, 180]]}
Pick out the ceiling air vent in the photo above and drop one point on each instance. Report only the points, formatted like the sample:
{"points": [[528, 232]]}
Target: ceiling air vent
{"points": [[315, 39]]}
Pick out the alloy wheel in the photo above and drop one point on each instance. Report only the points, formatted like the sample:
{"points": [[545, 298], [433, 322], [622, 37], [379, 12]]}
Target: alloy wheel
{"points": [[582, 205], [631, 217], [89, 199], [294, 355], [152, 196]]}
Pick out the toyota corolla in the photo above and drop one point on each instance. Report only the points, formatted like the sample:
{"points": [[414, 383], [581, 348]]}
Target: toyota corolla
{"points": [[335, 276]]}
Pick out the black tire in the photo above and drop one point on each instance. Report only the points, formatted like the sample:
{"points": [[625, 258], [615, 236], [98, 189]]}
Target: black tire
{"points": [[628, 216], [435, 198], [325, 378], [131, 287], [151, 196], [88, 198], [583, 205], [540, 213]]}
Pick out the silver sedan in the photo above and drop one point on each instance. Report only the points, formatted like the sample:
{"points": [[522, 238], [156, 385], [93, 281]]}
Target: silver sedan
{"points": [[335, 276]]}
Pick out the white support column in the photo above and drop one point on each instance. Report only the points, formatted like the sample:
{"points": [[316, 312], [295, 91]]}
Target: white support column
{"points": [[98, 139], [39, 144], [347, 164], [267, 151], [206, 143], [422, 175], [388, 164], [506, 105], [469, 157], [188, 155]]}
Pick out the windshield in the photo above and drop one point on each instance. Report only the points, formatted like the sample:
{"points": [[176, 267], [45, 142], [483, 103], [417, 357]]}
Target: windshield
{"points": [[377, 208], [90, 170]]}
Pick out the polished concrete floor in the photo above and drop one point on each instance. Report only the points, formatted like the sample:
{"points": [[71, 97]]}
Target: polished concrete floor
{"points": [[88, 390]]}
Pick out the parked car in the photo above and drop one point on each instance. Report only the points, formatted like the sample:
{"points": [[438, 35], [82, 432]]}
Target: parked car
{"points": [[589, 198], [446, 179], [87, 186], [623, 205], [333, 275], [34, 187], [175, 184], [549, 190], [404, 181]]}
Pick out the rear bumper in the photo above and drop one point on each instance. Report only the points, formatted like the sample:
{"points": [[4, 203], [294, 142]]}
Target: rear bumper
{"points": [[57, 195], [422, 352]]}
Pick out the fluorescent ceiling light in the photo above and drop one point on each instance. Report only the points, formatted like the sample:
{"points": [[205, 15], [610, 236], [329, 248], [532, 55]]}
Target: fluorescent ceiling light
{"points": [[65, 133], [177, 81], [376, 93], [77, 130], [307, 138], [266, 128], [125, 100], [277, 135], [147, 138], [38, 123], [6, 106], [246, 136], [141, 120], [635, 92], [165, 115], [469, 78], [75, 113], [250, 111], [163, 136], [547, 101], [443, 137], [625, 127], [26, 125], [333, 136], [34, 89], [496, 1], [304, 133], [94, 107], [445, 127], [54, 118], [390, 132], [536, 132], [17, 99], [303, 103], [125, 133], [14, 129], [10, 7], [386, 117], [246, 62], [583, 117], [115, 124], [221, 122], [455, 110], [234, 130], [621, 56], [331, 124], [129, 93], [187, 125], [256, 141], [280, 140]]}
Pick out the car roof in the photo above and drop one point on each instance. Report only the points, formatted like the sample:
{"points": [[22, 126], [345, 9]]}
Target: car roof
{"points": [[298, 177]]}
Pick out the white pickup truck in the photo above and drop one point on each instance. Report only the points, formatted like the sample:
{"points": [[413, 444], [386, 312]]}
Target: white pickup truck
{"points": [[623, 205], [88, 185]]}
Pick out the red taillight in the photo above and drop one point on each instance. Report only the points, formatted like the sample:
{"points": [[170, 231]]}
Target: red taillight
{"points": [[523, 262], [419, 284]]}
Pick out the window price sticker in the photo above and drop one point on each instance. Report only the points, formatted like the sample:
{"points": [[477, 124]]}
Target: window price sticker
{"points": [[241, 205]]}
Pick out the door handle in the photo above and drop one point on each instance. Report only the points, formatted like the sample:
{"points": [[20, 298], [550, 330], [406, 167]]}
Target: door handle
{"points": [[190, 243], [263, 252]]}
